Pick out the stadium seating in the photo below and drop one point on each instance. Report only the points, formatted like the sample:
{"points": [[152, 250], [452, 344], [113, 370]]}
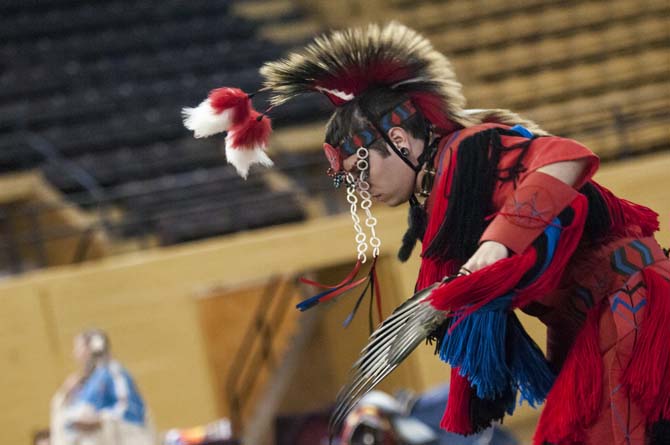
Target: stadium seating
{"points": [[595, 71], [101, 87]]}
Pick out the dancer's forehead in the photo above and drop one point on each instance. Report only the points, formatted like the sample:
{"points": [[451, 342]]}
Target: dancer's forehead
{"points": [[362, 132]]}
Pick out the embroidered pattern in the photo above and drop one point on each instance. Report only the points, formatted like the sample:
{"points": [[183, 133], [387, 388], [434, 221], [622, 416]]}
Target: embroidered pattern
{"points": [[524, 210]]}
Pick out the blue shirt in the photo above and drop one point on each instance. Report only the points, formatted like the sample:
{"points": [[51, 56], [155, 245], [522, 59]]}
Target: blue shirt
{"points": [[111, 389]]}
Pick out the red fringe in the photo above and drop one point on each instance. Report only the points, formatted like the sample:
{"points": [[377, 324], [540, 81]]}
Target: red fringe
{"points": [[222, 99], [456, 418], [471, 292], [628, 218], [253, 133], [468, 293], [575, 400], [346, 280], [433, 271], [356, 79], [647, 377]]}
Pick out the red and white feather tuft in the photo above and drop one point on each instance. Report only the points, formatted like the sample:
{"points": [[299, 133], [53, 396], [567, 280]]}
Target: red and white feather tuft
{"points": [[223, 109], [246, 143], [229, 109]]}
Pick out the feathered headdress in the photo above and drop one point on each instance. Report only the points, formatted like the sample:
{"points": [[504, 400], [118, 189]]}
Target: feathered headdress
{"points": [[344, 64]]}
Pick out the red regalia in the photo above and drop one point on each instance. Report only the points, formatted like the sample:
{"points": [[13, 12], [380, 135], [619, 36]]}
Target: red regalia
{"points": [[606, 318]]}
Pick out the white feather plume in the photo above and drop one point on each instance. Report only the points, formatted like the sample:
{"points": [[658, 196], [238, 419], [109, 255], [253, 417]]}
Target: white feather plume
{"points": [[205, 121], [243, 158]]}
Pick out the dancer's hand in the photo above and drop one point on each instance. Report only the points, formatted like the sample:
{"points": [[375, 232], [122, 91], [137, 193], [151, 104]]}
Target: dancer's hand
{"points": [[488, 253]]}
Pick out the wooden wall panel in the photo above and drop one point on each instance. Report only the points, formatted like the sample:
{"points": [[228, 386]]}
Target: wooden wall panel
{"points": [[29, 366], [227, 316]]}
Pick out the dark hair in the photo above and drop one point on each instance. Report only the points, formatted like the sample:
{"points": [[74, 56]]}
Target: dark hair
{"points": [[352, 117]]}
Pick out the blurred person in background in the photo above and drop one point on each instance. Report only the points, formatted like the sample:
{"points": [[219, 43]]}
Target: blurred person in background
{"points": [[98, 404]]}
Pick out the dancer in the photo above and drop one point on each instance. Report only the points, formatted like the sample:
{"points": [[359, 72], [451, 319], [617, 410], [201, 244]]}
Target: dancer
{"points": [[509, 217]]}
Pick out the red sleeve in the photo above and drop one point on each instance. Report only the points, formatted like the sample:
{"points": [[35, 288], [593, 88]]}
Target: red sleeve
{"points": [[524, 210], [551, 149], [525, 214]]}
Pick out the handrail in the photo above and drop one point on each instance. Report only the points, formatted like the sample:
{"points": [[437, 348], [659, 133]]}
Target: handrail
{"points": [[52, 155]]}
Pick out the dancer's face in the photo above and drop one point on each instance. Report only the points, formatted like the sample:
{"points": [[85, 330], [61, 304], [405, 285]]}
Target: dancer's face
{"points": [[391, 180]]}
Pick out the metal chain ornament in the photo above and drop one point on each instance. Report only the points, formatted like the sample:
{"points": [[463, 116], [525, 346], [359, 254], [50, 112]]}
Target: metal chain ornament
{"points": [[352, 199], [357, 186], [363, 188]]}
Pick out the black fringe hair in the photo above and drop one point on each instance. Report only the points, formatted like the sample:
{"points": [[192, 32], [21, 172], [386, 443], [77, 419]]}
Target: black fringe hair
{"points": [[472, 191], [598, 219], [417, 220], [660, 432]]}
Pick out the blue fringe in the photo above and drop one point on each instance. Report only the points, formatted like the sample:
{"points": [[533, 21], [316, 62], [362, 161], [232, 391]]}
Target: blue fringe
{"points": [[494, 352], [531, 371], [313, 301], [477, 347]]}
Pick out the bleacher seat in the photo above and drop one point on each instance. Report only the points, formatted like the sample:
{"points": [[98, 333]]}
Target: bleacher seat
{"points": [[578, 68], [211, 218], [103, 85]]}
